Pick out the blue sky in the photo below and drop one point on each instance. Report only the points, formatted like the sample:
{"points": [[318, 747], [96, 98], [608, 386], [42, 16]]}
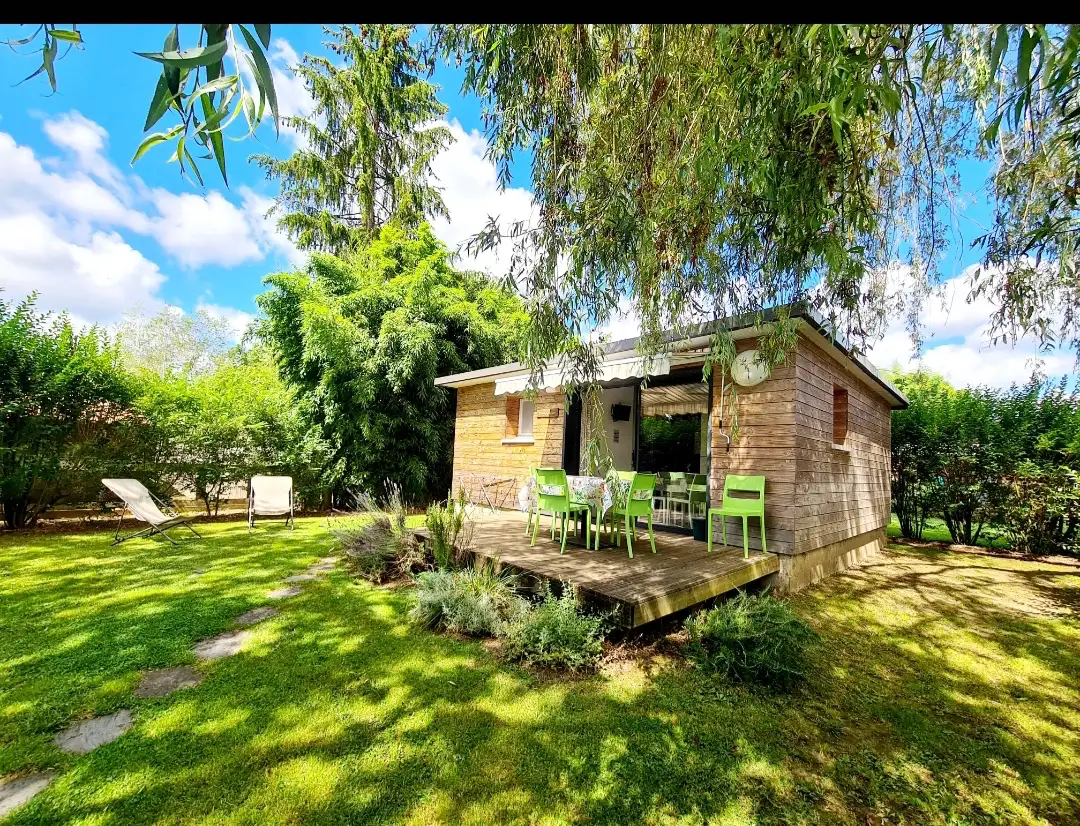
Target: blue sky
{"points": [[95, 236], [102, 98]]}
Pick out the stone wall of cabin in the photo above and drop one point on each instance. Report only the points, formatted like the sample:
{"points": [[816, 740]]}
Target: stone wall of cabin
{"points": [[484, 448]]}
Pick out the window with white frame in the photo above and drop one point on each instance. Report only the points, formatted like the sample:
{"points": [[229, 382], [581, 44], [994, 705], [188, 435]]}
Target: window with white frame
{"points": [[526, 409]]}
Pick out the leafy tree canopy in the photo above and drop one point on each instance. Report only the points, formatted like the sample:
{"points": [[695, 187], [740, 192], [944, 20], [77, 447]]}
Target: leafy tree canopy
{"points": [[368, 143], [183, 344], [363, 337], [698, 170], [979, 455], [61, 392], [708, 170]]}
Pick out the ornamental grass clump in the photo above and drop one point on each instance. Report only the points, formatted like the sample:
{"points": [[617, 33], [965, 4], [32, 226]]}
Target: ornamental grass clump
{"points": [[556, 634], [449, 529], [474, 601], [376, 541], [753, 639]]}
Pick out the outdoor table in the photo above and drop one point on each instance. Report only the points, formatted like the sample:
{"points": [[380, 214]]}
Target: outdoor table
{"points": [[598, 493]]}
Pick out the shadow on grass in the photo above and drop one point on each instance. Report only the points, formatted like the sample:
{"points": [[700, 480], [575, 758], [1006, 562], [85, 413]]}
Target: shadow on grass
{"points": [[945, 692]]}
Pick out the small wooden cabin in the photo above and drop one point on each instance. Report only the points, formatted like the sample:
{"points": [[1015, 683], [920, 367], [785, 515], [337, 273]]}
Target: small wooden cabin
{"points": [[817, 428]]}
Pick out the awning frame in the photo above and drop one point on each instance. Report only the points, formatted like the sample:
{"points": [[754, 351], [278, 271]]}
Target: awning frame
{"points": [[615, 369]]}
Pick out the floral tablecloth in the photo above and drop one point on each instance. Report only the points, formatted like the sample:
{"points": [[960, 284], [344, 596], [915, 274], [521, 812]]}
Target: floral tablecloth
{"points": [[595, 491]]}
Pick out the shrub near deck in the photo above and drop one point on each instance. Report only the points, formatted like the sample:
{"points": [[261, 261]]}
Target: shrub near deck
{"points": [[945, 691], [752, 638]]}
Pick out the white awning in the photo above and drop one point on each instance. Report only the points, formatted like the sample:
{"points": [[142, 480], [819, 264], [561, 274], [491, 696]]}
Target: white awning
{"points": [[627, 367]]}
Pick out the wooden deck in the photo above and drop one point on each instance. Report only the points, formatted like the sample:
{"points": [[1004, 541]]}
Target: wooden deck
{"points": [[679, 575]]}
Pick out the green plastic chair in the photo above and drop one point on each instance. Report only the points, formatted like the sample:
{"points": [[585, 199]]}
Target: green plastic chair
{"points": [[623, 476], [677, 492], [739, 507], [699, 493], [530, 513], [638, 503], [553, 494]]}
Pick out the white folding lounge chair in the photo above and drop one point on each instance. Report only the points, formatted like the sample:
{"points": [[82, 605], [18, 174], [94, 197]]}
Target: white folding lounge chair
{"points": [[145, 507], [270, 496]]}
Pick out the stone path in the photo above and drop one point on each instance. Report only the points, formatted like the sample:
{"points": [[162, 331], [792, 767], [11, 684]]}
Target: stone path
{"points": [[284, 593], [86, 736], [324, 565], [256, 615], [223, 645], [165, 681], [14, 792]]}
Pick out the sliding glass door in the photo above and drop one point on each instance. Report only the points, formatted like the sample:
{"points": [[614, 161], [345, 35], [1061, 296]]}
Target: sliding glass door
{"points": [[660, 428], [673, 442]]}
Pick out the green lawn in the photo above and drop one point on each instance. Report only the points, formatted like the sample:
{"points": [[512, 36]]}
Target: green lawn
{"points": [[946, 692], [935, 531]]}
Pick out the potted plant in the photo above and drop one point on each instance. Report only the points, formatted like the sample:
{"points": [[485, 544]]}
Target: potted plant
{"points": [[699, 498], [700, 526]]}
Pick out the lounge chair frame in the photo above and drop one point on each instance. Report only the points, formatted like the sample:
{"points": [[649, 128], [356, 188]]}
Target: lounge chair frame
{"points": [[175, 520], [290, 519]]}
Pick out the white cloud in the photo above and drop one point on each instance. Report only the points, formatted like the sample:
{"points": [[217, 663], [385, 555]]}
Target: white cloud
{"points": [[96, 280], [203, 229], [471, 193], [264, 228], [82, 201], [62, 219], [57, 232], [957, 343], [86, 141], [292, 94], [238, 320]]}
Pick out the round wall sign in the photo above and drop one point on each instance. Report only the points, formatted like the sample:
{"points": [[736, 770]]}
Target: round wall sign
{"points": [[747, 370]]}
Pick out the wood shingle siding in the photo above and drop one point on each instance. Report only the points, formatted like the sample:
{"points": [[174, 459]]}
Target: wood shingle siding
{"points": [[826, 475], [841, 491], [765, 447]]}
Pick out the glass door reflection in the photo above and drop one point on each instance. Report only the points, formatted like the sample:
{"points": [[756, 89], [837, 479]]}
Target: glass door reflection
{"points": [[673, 443]]}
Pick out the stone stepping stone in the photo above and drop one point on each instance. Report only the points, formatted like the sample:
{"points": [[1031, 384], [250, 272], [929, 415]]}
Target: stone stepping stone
{"points": [[256, 615], [324, 565], [14, 792], [84, 737], [301, 578], [165, 681], [224, 645], [284, 593]]}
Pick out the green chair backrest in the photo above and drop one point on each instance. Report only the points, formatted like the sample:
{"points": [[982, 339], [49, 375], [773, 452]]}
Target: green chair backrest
{"points": [[676, 482], [626, 475], [699, 488], [744, 484], [552, 489], [640, 494]]}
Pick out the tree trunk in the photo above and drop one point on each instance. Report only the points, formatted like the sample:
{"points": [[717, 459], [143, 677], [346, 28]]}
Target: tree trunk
{"points": [[372, 172], [14, 513]]}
